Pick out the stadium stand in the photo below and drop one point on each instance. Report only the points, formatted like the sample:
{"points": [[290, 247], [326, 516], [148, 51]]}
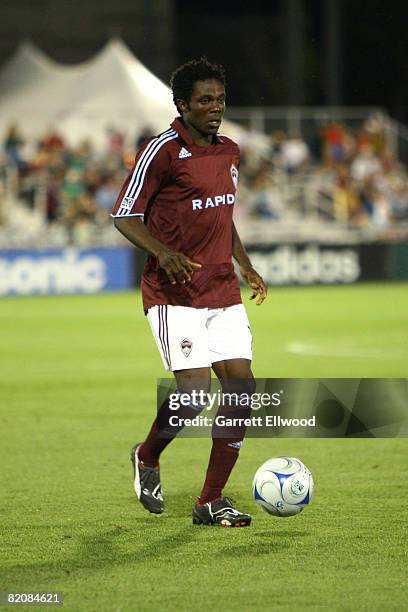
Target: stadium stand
{"points": [[54, 194]]}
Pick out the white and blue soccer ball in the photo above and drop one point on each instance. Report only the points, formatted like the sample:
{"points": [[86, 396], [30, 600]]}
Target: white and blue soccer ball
{"points": [[283, 486]]}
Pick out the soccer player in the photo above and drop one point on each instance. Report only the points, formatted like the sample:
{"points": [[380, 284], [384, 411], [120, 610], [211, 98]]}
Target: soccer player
{"points": [[177, 205]]}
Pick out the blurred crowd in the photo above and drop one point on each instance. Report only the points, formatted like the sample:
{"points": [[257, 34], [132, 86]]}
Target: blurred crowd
{"points": [[347, 177], [72, 188], [351, 177]]}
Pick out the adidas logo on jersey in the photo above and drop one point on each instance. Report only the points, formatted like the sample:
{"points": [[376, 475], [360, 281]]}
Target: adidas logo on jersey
{"points": [[184, 153]]}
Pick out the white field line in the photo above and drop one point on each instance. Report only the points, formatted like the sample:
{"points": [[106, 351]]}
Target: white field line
{"points": [[346, 351]]}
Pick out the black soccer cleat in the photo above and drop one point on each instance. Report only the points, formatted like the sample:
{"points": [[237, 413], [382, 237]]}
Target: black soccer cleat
{"points": [[147, 483], [220, 512]]}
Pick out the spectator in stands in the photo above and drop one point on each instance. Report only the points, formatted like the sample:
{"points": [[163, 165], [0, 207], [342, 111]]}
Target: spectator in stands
{"points": [[398, 198], [73, 188], [333, 137], [80, 157], [144, 135], [80, 219], [381, 215], [373, 133], [12, 146], [365, 164], [278, 137], [53, 141], [295, 154], [107, 193], [265, 201], [115, 142], [345, 199], [373, 208], [53, 205]]}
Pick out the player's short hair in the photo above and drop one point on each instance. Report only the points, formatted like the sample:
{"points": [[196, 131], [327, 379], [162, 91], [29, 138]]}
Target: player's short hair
{"points": [[183, 79]]}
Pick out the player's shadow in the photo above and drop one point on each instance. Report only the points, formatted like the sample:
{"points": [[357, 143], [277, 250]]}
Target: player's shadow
{"points": [[102, 551], [142, 539], [180, 504], [141, 536], [272, 541], [282, 534]]}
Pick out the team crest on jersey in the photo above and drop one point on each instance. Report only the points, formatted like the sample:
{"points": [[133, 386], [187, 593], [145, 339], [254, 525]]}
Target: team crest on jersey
{"points": [[186, 346], [234, 175]]}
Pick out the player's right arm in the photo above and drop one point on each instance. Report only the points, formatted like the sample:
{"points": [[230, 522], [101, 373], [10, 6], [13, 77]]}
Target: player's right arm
{"points": [[141, 186], [176, 265]]}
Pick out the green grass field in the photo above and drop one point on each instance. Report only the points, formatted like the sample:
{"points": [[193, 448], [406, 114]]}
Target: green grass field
{"points": [[78, 389]]}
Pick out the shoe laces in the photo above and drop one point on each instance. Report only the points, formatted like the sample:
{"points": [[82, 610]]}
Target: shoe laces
{"points": [[228, 506], [230, 501], [150, 477]]}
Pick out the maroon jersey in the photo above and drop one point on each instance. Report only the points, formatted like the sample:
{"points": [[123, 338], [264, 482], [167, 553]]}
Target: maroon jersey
{"points": [[185, 193]]}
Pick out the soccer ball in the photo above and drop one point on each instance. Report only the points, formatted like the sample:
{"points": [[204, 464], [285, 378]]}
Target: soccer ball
{"points": [[283, 486]]}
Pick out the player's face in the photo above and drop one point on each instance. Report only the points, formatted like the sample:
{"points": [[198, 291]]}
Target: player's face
{"points": [[207, 105]]}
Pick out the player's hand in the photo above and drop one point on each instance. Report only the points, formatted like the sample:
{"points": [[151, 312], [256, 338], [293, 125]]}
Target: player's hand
{"points": [[178, 267], [252, 278]]}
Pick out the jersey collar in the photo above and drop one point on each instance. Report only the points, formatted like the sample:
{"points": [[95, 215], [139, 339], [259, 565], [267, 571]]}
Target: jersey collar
{"points": [[179, 126]]}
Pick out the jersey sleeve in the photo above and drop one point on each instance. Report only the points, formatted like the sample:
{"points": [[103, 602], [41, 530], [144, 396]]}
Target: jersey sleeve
{"points": [[143, 181]]}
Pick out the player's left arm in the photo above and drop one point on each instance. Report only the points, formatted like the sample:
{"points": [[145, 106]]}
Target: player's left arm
{"points": [[250, 276]]}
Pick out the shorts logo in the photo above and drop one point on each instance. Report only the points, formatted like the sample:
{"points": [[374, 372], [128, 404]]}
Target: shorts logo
{"points": [[186, 347], [234, 175], [127, 203]]}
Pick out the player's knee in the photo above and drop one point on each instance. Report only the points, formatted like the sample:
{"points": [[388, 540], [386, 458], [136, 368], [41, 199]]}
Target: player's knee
{"points": [[195, 401], [250, 385], [239, 387], [182, 407]]}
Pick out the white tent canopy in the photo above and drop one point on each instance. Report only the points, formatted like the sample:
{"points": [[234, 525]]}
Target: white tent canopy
{"points": [[114, 89], [24, 70]]}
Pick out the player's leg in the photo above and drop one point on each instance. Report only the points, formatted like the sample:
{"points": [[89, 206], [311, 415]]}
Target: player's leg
{"points": [[233, 369], [230, 336], [181, 337], [236, 379], [196, 380], [145, 456]]}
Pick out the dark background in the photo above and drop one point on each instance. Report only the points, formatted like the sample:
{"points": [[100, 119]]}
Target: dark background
{"points": [[276, 52]]}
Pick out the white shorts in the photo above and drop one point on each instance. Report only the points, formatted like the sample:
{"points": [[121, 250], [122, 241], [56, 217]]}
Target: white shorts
{"points": [[198, 337]]}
